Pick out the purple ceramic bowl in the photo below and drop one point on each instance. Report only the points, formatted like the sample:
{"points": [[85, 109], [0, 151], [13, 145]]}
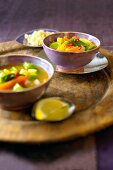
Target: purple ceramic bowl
{"points": [[70, 60], [22, 99]]}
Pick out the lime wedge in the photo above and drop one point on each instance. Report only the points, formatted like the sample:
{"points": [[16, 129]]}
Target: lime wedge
{"points": [[52, 109]]}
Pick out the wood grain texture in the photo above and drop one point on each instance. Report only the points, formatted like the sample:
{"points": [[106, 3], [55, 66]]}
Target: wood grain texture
{"points": [[91, 93]]}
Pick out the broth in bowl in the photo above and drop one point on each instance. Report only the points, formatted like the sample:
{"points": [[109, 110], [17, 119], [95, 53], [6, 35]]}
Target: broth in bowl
{"points": [[23, 80], [21, 76]]}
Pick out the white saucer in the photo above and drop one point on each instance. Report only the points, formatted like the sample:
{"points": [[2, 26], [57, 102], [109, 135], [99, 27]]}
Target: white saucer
{"points": [[98, 63]]}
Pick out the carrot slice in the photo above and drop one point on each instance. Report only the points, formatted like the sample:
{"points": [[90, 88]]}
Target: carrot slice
{"points": [[9, 84], [65, 38], [75, 49]]}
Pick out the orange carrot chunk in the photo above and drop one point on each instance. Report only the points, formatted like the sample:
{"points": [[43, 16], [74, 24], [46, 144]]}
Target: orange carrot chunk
{"points": [[9, 84]]}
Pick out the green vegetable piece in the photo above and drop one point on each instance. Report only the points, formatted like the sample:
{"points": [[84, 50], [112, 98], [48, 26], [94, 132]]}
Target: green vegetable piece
{"points": [[1, 76], [91, 46], [54, 45], [7, 77], [32, 71], [17, 87], [32, 77], [13, 70], [87, 48], [28, 65], [71, 40], [77, 43], [86, 41], [32, 74], [23, 72], [88, 44]]}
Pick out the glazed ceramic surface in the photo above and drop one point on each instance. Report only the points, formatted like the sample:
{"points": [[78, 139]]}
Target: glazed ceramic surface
{"points": [[70, 60], [22, 99], [98, 63]]}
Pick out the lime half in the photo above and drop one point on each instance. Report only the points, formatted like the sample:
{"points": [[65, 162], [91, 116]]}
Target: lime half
{"points": [[52, 109]]}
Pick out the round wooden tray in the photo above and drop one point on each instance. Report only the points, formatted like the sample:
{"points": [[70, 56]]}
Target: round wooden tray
{"points": [[91, 93]]}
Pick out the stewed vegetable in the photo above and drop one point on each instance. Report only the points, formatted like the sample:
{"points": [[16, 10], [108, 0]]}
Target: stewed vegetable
{"points": [[73, 44], [21, 76]]}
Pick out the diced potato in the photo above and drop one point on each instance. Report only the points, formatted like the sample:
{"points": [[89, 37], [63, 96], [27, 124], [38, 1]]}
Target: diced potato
{"points": [[23, 72], [17, 87], [62, 47]]}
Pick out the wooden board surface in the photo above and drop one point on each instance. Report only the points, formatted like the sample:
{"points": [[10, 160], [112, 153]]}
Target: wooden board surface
{"points": [[91, 93]]}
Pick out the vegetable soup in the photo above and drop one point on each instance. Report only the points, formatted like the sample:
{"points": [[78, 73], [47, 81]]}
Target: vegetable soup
{"points": [[18, 77], [73, 44]]}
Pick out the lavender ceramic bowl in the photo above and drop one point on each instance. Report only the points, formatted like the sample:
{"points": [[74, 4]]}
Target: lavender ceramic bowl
{"points": [[70, 60], [22, 99]]}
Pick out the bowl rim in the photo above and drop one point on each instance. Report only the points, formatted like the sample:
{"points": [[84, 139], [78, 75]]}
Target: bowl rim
{"points": [[30, 88], [97, 47]]}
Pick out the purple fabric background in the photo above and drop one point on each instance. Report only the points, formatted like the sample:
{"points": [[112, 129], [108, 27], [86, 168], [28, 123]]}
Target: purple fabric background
{"points": [[94, 17]]}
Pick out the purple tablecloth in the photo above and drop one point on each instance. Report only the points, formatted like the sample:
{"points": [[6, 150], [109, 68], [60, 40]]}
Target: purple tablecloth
{"points": [[94, 17]]}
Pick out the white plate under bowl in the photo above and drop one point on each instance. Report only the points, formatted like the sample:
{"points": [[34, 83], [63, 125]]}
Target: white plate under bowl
{"points": [[98, 63]]}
